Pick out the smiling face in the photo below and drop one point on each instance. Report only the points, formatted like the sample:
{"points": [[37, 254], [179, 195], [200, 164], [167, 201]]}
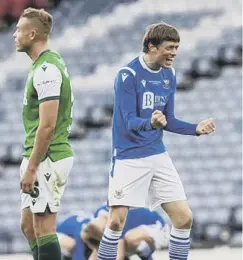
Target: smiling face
{"points": [[160, 44], [164, 53]]}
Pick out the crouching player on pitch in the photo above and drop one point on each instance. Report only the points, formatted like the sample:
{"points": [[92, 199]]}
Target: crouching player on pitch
{"points": [[69, 235], [144, 232]]}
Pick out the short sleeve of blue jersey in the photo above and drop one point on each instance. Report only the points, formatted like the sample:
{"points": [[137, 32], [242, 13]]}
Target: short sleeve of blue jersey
{"points": [[173, 124], [126, 101]]}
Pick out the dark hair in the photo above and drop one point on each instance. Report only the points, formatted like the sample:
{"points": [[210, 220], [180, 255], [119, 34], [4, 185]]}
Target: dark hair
{"points": [[41, 16], [158, 33]]}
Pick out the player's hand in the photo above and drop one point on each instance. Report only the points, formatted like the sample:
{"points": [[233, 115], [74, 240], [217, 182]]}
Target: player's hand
{"points": [[158, 119], [206, 127], [28, 181]]}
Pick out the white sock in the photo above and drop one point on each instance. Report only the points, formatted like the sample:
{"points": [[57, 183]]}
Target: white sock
{"points": [[179, 244], [109, 244]]}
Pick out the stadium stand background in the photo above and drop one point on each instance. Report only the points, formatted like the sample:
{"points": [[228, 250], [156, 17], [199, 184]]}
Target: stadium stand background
{"points": [[95, 40]]}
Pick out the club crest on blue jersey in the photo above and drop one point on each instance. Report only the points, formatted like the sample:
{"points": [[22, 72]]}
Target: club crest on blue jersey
{"points": [[166, 83]]}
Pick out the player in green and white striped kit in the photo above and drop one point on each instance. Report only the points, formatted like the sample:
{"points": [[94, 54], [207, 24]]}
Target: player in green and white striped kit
{"points": [[47, 118]]}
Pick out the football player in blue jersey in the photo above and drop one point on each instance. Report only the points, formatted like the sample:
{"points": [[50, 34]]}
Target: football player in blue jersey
{"points": [[69, 234], [143, 109], [144, 232]]}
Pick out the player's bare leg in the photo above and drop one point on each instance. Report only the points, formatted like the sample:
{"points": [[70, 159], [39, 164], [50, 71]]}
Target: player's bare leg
{"points": [[179, 213], [28, 230], [45, 230], [181, 218], [94, 255], [117, 217], [109, 243], [121, 251]]}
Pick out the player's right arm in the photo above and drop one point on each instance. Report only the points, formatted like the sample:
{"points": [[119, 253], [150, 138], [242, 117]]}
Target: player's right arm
{"points": [[133, 238], [126, 99], [66, 242], [94, 229]]}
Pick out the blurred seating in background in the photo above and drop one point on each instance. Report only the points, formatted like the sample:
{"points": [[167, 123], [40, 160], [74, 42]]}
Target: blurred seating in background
{"points": [[10, 10]]}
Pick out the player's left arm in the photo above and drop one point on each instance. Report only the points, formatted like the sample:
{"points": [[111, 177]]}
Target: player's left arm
{"points": [[175, 125], [47, 82], [181, 127]]}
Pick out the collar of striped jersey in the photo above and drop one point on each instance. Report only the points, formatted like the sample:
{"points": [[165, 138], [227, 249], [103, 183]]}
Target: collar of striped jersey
{"points": [[144, 65]]}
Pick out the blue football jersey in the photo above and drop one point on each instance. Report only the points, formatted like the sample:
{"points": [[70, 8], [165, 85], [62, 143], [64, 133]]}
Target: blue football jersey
{"points": [[136, 217], [72, 226], [139, 91], [141, 216]]}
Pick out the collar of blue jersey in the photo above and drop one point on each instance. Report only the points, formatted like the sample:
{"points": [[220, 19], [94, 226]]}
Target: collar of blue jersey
{"points": [[144, 65]]}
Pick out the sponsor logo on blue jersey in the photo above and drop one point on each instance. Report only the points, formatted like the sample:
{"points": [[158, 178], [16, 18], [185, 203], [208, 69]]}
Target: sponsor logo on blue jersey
{"points": [[151, 101]]}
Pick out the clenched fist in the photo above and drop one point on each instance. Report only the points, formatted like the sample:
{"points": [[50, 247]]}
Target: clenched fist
{"points": [[158, 119], [206, 127]]}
